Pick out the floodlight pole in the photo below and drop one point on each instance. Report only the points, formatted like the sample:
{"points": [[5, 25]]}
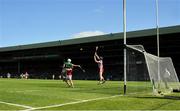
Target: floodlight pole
{"points": [[124, 29]]}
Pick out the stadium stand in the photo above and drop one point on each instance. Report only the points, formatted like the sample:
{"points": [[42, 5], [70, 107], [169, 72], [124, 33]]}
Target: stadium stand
{"points": [[43, 60]]}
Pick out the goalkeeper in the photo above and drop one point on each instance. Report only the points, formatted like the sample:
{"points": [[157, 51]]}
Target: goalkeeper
{"points": [[68, 68], [99, 61]]}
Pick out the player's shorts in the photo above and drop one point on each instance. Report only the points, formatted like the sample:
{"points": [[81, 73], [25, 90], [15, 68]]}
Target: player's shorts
{"points": [[69, 71]]}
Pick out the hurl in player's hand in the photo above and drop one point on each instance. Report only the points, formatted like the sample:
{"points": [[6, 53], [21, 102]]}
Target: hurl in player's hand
{"points": [[96, 48]]}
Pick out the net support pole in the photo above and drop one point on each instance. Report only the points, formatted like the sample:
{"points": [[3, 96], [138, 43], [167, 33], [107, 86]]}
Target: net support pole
{"points": [[124, 29], [157, 31], [157, 26]]}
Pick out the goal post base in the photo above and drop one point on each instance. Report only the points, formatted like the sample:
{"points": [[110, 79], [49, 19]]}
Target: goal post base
{"points": [[124, 89]]}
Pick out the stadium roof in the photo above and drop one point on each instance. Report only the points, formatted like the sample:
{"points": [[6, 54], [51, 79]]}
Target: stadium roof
{"points": [[112, 36]]}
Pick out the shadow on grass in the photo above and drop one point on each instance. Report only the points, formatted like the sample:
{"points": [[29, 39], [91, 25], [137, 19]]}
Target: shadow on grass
{"points": [[165, 97], [160, 97]]}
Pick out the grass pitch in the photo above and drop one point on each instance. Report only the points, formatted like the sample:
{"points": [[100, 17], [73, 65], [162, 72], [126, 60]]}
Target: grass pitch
{"points": [[19, 94]]}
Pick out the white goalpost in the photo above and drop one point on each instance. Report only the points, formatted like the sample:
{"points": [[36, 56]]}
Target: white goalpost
{"points": [[124, 29]]}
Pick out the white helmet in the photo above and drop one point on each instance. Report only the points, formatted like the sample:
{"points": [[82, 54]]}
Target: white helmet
{"points": [[69, 60]]}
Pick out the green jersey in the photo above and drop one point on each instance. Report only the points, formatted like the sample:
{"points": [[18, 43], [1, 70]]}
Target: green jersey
{"points": [[68, 65]]}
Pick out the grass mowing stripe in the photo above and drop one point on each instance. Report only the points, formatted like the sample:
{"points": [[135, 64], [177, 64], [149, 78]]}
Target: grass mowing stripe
{"points": [[13, 104], [70, 103]]}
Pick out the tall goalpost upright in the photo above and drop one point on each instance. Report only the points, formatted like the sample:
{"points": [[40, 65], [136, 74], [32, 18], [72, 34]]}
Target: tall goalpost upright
{"points": [[124, 29]]}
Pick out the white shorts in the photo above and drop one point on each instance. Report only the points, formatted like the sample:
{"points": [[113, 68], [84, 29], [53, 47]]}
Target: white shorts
{"points": [[69, 77]]}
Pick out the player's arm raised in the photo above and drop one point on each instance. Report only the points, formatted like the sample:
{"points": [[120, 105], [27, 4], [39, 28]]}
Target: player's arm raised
{"points": [[95, 59], [95, 54]]}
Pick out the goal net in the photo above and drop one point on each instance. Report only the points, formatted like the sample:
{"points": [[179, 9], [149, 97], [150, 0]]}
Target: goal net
{"points": [[143, 66]]}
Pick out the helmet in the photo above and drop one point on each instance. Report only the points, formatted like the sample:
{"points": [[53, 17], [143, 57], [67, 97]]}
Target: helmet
{"points": [[69, 60]]}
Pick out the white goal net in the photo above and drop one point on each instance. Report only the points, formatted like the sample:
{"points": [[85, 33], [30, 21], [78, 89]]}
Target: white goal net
{"points": [[161, 71]]}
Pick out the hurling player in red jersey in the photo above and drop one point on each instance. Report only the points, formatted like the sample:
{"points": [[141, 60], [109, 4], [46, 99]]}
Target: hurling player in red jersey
{"points": [[99, 61], [68, 66]]}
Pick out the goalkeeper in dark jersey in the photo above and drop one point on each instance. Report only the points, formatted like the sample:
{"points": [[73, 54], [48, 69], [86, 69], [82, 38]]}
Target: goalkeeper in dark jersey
{"points": [[68, 68]]}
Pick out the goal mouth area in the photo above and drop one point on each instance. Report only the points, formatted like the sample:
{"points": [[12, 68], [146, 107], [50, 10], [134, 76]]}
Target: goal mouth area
{"points": [[159, 70], [176, 90]]}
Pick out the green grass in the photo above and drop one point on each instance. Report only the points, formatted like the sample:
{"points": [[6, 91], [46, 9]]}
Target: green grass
{"points": [[41, 93]]}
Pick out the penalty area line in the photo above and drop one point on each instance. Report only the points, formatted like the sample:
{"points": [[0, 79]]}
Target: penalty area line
{"points": [[13, 104], [71, 103]]}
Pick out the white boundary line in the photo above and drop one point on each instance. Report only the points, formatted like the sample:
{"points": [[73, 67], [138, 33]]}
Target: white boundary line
{"points": [[12, 104], [29, 108], [70, 103]]}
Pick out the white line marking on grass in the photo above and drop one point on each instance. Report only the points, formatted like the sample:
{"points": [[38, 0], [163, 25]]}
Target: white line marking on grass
{"points": [[12, 104], [70, 103]]}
